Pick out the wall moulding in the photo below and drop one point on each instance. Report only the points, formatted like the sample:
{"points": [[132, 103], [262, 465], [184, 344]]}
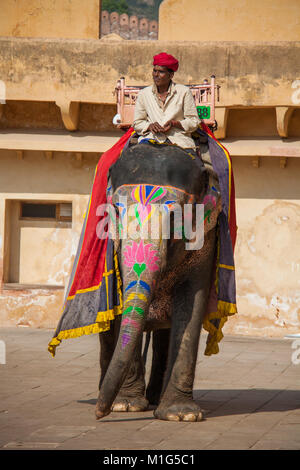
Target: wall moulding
{"points": [[256, 162], [283, 162], [283, 115], [20, 154], [69, 113], [48, 154], [221, 116]]}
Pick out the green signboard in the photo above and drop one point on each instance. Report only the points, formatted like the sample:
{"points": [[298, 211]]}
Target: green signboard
{"points": [[203, 112]]}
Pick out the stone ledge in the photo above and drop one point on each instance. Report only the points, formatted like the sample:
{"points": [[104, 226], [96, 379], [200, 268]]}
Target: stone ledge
{"points": [[262, 147], [16, 286], [63, 141]]}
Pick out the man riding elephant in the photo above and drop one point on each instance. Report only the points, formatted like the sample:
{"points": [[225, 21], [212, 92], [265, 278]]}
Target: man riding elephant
{"points": [[143, 277], [166, 111]]}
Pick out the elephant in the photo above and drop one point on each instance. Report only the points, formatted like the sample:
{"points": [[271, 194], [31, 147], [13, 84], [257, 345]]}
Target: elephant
{"points": [[166, 285]]}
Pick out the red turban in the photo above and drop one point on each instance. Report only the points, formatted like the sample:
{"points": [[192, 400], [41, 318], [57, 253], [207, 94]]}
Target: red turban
{"points": [[166, 60]]}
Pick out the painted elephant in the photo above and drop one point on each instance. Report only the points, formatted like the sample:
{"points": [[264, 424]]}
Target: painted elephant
{"points": [[165, 285]]}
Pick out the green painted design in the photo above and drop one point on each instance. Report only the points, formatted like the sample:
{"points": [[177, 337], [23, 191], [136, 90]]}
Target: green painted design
{"points": [[139, 310], [207, 214], [138, 215], [139, 268], [120, 228], [128, 310], [157, 194]]}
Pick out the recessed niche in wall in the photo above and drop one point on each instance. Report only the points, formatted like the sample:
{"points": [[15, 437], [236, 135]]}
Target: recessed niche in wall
{"points": [[255, 122]]}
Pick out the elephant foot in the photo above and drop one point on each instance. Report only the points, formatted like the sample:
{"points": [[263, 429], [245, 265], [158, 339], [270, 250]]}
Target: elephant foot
{"points": [[130, 404], [100, 412], [179, 410]]}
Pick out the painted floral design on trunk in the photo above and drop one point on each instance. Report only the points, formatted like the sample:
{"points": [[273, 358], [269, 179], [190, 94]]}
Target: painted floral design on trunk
{"points": [[139, 257]]}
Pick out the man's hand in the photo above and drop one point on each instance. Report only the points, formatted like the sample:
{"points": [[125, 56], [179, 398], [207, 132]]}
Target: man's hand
{"points": [[155, 128], [171, 123]]}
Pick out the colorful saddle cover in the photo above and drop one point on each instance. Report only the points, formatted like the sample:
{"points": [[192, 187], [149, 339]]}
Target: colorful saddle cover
{"points": [[94, 294]]}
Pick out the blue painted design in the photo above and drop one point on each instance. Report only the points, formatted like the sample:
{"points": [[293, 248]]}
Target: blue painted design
{"points": [[141, 283], [130, 285], [145, 285]]}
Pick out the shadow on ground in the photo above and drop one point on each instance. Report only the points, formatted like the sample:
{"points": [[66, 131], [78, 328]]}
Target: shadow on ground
{"points": [[245, 401], [227, 402]]}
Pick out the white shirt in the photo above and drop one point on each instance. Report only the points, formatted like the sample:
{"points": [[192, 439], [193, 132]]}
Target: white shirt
{"points": [[179, 105]]}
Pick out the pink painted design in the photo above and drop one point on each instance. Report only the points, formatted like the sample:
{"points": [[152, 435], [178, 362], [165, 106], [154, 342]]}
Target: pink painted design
{"points": [[144, 211], [131, 322], [141, 254], [209, 198]]}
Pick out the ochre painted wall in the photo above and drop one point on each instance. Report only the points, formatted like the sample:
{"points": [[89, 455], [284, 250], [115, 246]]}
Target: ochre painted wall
{"points": [[267, 255], [229, 20], [87, 71], [50, 18], [46, 252]]}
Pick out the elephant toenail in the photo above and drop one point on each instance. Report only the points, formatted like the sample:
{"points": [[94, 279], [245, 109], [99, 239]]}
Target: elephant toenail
{"points": [[189, 417], [172, 417]]}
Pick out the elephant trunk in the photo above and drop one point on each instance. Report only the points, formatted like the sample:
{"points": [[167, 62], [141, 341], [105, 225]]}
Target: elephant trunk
{"points": [[141, 262]]}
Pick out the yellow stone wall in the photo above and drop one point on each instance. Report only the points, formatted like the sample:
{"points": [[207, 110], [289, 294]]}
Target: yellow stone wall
{"points": [[87, 71], [267, 254], [39, 252], [50, 18], [229, 20]]}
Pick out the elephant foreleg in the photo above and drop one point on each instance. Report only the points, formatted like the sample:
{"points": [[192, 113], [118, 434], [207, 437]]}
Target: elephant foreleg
{"points": [[190, 301], [131, 396]]}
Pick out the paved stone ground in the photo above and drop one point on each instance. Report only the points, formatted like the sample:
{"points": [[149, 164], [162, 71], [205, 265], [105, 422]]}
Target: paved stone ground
{"points": [[250, 392]]}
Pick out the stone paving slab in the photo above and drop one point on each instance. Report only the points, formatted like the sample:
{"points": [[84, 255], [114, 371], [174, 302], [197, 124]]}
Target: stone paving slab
{"points": [[250, 393]]}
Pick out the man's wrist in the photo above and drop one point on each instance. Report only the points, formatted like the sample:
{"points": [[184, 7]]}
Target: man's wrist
{"points": [[177, 124]]}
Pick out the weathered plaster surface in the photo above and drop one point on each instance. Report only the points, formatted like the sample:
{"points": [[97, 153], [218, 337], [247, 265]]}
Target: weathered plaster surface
{"points": [[267, 268], [46, 254], [234, 20], [50, 18], [33, 307], [87, 70]]}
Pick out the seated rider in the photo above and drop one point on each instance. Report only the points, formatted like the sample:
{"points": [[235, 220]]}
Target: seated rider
{"points": [[166, 111]]}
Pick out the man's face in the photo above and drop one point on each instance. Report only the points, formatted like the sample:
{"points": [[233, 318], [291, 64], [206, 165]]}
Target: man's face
{"points": [[161, 76]]}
